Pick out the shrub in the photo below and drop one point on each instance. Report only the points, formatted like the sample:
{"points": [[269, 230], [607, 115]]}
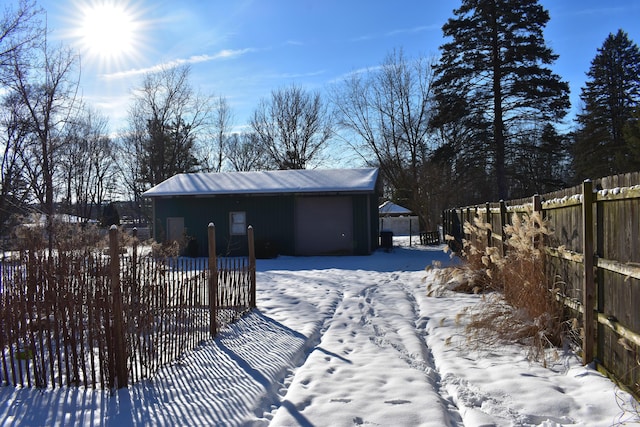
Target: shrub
{"points": [[65, 236], [110, 215], [191, 249], [265, 249]]}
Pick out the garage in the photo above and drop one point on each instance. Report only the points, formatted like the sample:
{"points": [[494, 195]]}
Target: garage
{"points": [[292, 212]]}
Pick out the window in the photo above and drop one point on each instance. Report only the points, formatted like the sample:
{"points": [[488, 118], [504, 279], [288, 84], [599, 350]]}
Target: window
{"points": [[238, 223]]}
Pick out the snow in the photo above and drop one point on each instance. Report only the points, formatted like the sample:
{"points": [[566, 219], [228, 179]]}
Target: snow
{"points": [[268, 182], [342, 341]]}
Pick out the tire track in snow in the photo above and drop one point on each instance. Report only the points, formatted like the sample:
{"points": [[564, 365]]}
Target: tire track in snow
{"points": [[279, 389], [403, 329]]}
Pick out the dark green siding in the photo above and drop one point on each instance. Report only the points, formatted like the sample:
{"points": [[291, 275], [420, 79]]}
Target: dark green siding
{"points": [[271, 218], [365, 223]]}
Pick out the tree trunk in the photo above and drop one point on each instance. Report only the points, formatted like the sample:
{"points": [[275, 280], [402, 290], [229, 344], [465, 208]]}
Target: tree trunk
{"points": [[498, 125]]}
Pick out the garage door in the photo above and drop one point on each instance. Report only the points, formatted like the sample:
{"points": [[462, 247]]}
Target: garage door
{"points": [[324, 225]]}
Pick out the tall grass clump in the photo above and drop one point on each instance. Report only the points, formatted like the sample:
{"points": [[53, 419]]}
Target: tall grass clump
{"points": [[519, 303]]}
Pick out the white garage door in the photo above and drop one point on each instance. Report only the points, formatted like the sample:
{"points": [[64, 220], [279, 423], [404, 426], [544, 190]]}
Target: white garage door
{"points": [[324, 225]]}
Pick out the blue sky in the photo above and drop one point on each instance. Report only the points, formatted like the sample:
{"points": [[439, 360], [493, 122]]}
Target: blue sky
{"points": [[244, 49]]}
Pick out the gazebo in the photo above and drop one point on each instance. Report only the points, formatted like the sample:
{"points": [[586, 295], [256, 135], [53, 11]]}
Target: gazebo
{"points": [[397, 220]]}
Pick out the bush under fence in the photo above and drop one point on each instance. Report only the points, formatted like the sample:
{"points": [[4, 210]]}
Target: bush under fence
{"points": [[79, 319], [592, 260]]}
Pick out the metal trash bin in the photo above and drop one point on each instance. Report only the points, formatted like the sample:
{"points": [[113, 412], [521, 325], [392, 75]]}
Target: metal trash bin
{"points": [[386, 239]]}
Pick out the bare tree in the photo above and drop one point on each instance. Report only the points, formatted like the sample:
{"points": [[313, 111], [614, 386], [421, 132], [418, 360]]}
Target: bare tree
{"points": [[246, 153], [14, 189], [88, 166], [128, 155], [46, 91], [388, 110], [20, 31], [168, 126], [221, 126], [293, 126], [167, 122]]}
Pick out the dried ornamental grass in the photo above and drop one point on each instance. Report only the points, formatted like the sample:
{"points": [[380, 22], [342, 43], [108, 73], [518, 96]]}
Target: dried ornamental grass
{"points": [[521, 305]]}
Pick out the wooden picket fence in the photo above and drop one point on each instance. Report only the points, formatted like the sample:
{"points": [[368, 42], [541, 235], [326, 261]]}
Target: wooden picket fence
{"points": [[79, 319], [593, 258]]}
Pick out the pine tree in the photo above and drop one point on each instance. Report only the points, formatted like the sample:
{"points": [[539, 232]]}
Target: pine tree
{"points": [[110, 215], [610, 95], [497, 62], [168, 150], [632, 136]]}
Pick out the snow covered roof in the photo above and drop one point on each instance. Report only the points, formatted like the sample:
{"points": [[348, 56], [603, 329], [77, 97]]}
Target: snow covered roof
{"points": [[267, 182], [390, 208]]}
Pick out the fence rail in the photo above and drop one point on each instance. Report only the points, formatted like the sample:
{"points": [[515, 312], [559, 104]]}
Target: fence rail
{"points": [[593, 257], [74, 319]]}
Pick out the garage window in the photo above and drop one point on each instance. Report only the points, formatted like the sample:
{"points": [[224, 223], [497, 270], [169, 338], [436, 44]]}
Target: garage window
{"points": [[238, 223]]}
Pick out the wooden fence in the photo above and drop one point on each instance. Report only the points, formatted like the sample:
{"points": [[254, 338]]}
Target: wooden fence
{"points": [[593, 258], [81, 319]]}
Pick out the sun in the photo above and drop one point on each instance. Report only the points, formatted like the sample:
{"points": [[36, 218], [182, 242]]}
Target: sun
{"points": [[108, 31]]}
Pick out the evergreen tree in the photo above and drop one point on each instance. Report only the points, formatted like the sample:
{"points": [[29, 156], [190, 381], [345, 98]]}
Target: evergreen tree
{"points": [[541, 162], [632, 136], [610, 95], [110, 215], [168, 150], [463, 156], [496, 66]]}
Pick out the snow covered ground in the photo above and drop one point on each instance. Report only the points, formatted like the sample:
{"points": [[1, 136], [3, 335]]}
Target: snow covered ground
{"points": [[342, 341]]}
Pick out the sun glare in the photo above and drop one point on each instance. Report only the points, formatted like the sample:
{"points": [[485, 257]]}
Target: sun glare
{"points": [[108, 31]]}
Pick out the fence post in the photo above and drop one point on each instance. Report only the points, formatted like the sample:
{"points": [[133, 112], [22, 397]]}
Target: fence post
{"points": [[213, 280], [475, 217], [588, 284], [503, 224], [119, 343], [134, 263], [599, 277], [536, 201], [252, 266], [468, 219], [488, 221]]}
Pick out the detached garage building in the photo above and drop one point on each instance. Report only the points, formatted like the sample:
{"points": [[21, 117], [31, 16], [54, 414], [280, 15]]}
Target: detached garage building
{"points": [[293, 212]]}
